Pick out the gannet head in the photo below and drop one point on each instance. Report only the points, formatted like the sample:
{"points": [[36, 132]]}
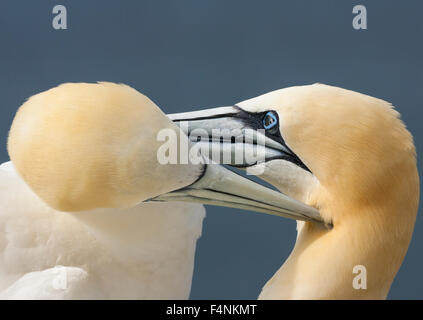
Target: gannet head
{"points": [[81, 146], [324, 143], [346, 154], [356, 147]]}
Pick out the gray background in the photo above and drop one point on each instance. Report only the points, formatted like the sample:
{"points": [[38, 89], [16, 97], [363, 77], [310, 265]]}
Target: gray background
{"points": [[188, 54]]}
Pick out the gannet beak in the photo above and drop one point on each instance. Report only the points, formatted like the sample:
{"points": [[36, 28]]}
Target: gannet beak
{"points": [[222, 187], [235, 135], [244, 139]]}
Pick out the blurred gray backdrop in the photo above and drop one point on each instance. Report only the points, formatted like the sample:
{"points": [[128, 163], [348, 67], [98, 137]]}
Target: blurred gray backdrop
{"points": [[189, 54]]}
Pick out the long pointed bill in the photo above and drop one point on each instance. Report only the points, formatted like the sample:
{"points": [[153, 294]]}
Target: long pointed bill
{"points": [[238, 139], [222, 187], [229, 135]]}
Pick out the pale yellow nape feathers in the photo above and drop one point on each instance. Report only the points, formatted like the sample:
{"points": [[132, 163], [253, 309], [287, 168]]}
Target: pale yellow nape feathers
{"points": [[81, 146], [364, 163]]}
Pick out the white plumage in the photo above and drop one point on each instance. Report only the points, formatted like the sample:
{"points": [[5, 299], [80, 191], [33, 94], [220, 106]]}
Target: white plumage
{"points": [[145, 252]]}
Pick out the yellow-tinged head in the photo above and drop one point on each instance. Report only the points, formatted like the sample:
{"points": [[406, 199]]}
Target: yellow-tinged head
{"points": [[355, 145], [348, 155], [81, 146]]}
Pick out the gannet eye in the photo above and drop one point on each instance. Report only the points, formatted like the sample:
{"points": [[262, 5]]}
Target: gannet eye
{"points": [[270, 121]]}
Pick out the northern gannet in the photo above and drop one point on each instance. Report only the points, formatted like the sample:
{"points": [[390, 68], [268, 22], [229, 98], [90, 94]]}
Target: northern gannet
{"points": [[72, 221], [350, 156]]}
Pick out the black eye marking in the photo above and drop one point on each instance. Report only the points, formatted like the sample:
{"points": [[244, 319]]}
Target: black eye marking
{"points": [[269, 119], [270, 122]]}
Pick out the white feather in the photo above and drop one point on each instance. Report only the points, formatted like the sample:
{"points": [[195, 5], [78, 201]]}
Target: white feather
{"points": [[145, 252]]}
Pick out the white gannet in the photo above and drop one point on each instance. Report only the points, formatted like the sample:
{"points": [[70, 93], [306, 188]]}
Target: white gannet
{"points": [[72, 225], [348, 155]]}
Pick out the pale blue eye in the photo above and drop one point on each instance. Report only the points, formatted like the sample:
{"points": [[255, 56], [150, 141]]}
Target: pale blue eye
{"points": [[270, 120]]}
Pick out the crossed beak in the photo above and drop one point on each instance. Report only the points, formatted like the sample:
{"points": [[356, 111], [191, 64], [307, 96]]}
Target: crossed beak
{"points": [[236, 138]]}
